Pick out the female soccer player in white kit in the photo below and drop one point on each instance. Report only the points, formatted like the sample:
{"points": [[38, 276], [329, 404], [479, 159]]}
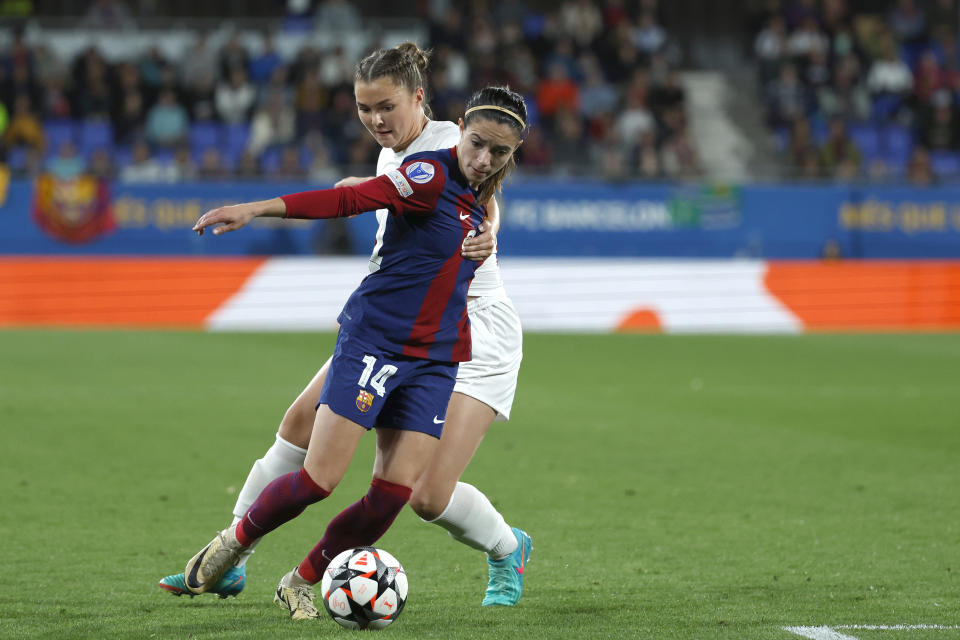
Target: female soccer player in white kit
{"points": [[390, 103]]}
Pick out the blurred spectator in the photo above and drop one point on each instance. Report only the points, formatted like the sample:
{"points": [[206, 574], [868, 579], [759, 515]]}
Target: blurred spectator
{"points": [[809, 167], [95, 102], [807, 40], [787, 97], [908, 21], [568, 154], [66, 165], [647, 157], [248, 167], [535, 155], [453, 67], [770, 48], [802, 145], [944, 13], [890, 77], [919, 170], [817, 73], [211, 166], [677, 156], [840, 155], [939, 129], [945, 46], [54, 100], [845, 98], [635, 119], [613, 165], [800, 11], [273, 124], [337, 16], [234, 99], [929, 78], [649, 36], [129, 121], [310, 101], [581, 20], [322, 170], [144, 168], [200, 61], [596, 94], [667, 95], [108, 14], [290, 167], [153, 68], [337, 67], [200, 98], [233, 56], [263, 64], [183, 164], [167, 123], [24, 127], [101, 164]]}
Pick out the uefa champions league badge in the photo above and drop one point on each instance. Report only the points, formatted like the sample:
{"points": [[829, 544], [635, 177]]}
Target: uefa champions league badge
{"points": [[364, 401], [421, 172]]}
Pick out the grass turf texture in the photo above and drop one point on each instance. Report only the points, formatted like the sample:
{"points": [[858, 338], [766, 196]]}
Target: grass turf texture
{"points": [[675, 487]]}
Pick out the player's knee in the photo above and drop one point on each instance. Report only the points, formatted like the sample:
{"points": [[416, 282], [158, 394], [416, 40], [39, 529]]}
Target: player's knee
{"points": [[427, 502], [297, 424]]}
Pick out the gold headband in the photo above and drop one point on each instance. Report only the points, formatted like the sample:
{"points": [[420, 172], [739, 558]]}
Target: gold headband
{"points": [[523, 125]]}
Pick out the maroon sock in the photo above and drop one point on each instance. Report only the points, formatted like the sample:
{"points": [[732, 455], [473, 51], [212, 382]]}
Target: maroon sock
{"points": [[361, 524], [280, 501]]}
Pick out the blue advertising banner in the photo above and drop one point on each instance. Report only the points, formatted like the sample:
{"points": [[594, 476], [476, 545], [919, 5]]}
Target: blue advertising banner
{"points": [[541, 218]]}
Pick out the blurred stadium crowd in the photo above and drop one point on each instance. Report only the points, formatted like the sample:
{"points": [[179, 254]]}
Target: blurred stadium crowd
{"points": [[600, 77], [862, 95]]}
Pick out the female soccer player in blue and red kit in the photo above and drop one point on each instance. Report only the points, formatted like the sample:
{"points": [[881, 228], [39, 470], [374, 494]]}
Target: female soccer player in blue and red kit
{"points": [[402, 333]]}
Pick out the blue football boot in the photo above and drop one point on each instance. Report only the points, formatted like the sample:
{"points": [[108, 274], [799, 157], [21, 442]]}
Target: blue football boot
{"points": [[506, 575], [230, 584]]}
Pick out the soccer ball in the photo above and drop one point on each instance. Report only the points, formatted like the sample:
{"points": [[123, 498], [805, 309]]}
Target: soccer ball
{"points": [[364, 588]]}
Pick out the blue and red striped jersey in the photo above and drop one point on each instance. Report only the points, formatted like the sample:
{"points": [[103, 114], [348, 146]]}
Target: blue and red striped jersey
{"points": [[416, 303]]}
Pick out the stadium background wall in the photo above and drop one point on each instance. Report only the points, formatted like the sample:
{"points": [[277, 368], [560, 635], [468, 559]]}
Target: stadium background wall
{"points": [[575, 256]]}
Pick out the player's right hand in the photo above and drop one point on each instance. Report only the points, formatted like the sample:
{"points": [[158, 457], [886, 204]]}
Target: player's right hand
{"points": [[228, 218]]}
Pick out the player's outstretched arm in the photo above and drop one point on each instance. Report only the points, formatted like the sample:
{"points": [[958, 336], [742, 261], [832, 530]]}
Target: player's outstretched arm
{"points": [[237, 216]]}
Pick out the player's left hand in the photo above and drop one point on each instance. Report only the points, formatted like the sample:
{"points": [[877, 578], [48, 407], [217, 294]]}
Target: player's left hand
{"points": [[481, 246], [229, 218]]}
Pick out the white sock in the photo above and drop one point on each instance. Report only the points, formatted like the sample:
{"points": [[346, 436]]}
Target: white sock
{"points": [[472, 520], [280, 459]]}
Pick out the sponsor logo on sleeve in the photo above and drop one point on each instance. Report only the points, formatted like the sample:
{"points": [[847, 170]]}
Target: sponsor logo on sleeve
{"points": [[421, 172], [403, 187]]}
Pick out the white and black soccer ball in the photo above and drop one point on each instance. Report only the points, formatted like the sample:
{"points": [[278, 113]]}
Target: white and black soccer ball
{"points": [[364, 588]]}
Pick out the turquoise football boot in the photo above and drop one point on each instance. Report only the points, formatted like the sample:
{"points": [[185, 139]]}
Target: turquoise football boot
{"points": [[506, 575], [230, 584]]}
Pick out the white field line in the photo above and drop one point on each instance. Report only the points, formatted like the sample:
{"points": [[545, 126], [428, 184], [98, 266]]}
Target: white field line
{"points": [[818, 633], [898, 627], [829, 633]]}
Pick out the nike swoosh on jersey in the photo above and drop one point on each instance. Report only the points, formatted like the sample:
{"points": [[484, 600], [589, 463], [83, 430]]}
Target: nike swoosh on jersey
{"points": [[464, 216]]}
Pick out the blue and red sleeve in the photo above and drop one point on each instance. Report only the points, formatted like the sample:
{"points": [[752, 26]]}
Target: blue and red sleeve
{"points": [[391, 191]]}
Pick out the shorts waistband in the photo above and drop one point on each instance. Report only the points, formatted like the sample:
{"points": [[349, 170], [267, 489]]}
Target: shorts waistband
{"points": [[484, 301]]}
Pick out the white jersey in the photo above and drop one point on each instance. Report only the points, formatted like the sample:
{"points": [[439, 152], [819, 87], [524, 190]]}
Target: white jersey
{"points": [[436, 135]]}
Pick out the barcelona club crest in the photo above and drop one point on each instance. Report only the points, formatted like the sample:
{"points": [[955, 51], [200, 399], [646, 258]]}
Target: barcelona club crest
{"points": [[73, 211], [364, 401]]}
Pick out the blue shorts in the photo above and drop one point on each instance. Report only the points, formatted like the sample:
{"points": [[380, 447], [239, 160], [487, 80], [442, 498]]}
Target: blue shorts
{"points": [[377, 388]]}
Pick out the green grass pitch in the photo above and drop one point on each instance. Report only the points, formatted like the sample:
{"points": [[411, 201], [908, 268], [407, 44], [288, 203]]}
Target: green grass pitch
{"points": [[675, 487]]}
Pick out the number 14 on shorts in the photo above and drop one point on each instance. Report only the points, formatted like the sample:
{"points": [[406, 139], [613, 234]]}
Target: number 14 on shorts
{"points": [[380, 379]]}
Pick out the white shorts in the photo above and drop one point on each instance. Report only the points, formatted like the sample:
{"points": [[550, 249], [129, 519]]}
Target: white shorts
{"points": [[497, 340]]}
